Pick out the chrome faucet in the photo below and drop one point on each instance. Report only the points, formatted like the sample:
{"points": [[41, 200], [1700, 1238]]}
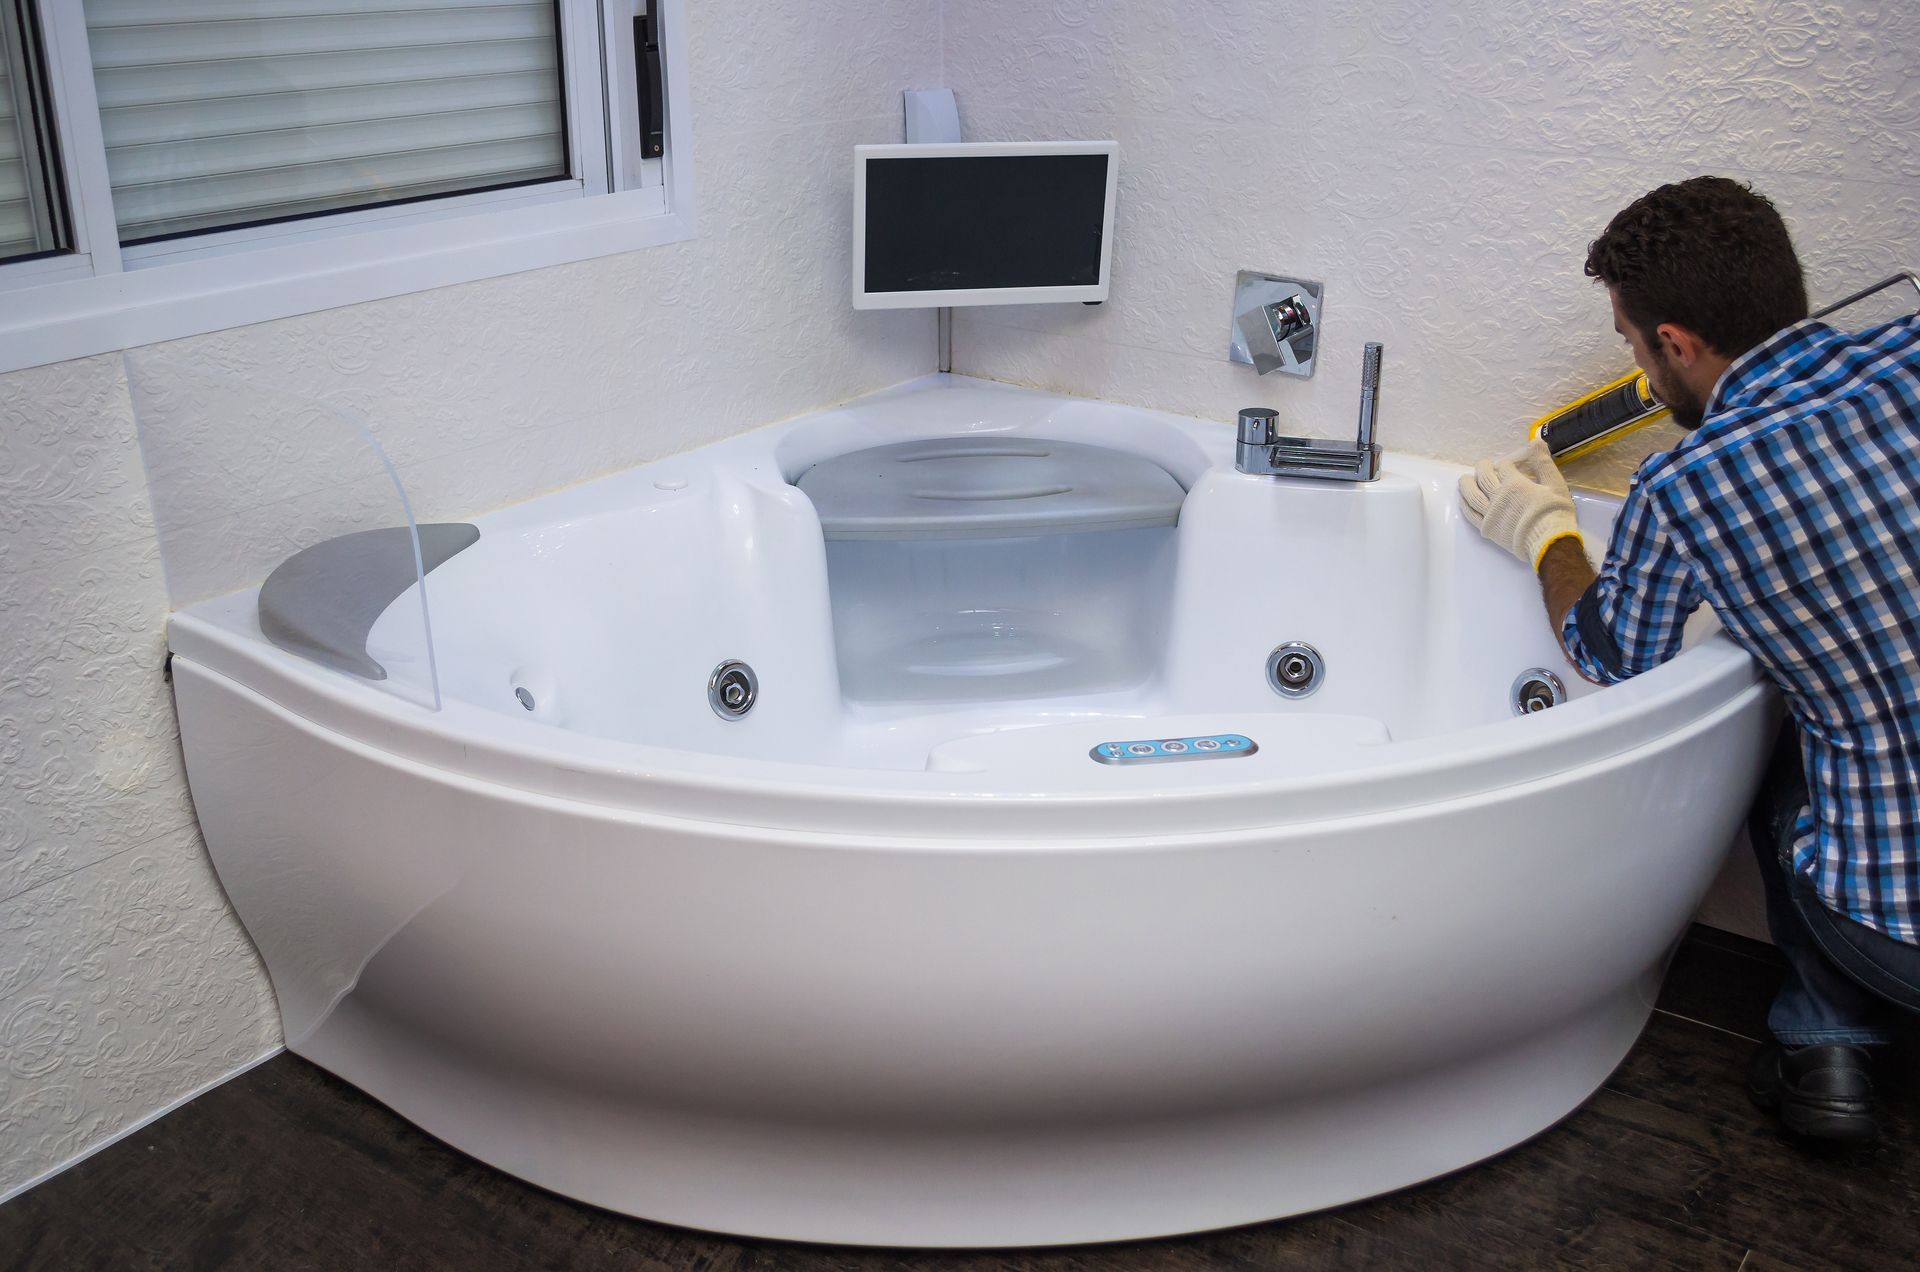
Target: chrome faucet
{"points": [[1263, 451]]}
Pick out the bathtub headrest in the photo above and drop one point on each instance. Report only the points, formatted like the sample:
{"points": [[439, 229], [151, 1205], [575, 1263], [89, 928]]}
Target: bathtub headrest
{"points": [[321, 602]]}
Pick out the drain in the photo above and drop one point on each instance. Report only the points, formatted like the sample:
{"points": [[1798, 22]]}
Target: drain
{"points": [[524, 695], [1295, 669], [1536, 689], [732, 689]]}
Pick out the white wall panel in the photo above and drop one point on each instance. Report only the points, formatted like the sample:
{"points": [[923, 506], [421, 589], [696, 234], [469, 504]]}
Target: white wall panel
{"points": [[123, 986]]}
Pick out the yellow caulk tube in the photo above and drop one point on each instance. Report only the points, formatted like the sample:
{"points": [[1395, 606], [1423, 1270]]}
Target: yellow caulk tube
{"points": [[1605, 415]]}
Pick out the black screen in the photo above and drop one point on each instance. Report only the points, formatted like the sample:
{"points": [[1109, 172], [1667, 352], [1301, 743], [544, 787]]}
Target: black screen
{"points": [[992, 221]]}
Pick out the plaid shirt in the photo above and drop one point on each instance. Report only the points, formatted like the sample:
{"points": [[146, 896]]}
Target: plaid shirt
{"points": [[1794, 511]]}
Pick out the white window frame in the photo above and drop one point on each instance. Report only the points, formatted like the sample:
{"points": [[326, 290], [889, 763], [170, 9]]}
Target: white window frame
{"points": [[101, 297]]}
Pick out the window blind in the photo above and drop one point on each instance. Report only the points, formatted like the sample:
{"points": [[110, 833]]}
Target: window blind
{"points": [[219, 113], [28, 221], [16, 219]]}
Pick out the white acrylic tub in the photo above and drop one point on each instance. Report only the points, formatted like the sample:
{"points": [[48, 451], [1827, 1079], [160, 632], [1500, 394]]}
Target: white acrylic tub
{"points": [[928, 975]]}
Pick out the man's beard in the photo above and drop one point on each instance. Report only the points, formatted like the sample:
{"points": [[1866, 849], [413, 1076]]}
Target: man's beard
{"points": [[1688, 409]]}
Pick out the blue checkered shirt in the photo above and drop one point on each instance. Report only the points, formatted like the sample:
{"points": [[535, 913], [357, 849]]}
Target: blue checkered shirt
{"points": [[1794, 511]]}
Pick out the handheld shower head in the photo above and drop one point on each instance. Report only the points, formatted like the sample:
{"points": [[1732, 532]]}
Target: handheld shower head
{"points": [[1369, 391]]}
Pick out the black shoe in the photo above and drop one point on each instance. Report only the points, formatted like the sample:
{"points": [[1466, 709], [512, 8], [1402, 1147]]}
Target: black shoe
{"points": [[1820, 1092]]}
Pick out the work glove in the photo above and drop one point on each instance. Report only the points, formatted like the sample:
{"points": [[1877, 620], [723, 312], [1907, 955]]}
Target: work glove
{"points": [[1520, 502]]}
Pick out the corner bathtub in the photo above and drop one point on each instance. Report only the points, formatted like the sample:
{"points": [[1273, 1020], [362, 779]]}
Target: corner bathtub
{"points": [[878, 971]]}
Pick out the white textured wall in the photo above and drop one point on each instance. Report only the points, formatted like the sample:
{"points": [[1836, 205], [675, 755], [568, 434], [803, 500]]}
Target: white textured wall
{"points": [[124, 980], [1440, 166]]}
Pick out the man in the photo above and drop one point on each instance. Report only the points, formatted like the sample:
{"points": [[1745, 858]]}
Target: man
{"points": [[1793, 509]]}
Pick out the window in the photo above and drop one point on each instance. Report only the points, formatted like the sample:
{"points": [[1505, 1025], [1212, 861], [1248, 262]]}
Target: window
{"points": [[175, 166], [32, 209]]}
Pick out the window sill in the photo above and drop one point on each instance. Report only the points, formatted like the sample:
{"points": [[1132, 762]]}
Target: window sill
{"points": [[57, 320]]}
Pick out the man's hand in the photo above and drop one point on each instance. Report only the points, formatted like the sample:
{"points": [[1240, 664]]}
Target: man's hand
{"points": [[1520, 502]]}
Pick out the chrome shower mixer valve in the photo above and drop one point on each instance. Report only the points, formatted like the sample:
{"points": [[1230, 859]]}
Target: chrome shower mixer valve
{"points": [[1263, 451]]}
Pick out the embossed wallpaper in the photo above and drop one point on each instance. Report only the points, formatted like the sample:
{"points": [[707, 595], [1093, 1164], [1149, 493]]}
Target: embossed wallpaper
{"points": [[1439, 166]]}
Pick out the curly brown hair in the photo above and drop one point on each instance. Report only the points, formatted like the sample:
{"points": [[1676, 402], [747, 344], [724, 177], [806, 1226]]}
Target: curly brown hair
{"points": [[1708, 254]]}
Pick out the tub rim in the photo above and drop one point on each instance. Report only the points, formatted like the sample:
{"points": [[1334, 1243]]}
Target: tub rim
{"points": [[464, 740], [471, 740]]}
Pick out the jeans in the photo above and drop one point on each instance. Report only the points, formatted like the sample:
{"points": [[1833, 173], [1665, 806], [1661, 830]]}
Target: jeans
{"points": [[1844, 981]]}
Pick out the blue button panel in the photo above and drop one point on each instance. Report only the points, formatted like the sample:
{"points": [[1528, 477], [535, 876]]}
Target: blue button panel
{"points": [[1212, 746]]}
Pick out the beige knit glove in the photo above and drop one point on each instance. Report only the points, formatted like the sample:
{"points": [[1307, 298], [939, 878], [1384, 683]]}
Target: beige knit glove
{"points": [[1520, 502]]}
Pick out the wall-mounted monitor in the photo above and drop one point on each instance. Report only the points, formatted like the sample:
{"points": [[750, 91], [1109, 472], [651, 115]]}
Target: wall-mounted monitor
{"points": [[982, 223]]}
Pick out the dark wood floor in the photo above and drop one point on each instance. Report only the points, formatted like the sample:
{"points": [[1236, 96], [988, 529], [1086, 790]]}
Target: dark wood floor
{"points": [[1668, 1166]]}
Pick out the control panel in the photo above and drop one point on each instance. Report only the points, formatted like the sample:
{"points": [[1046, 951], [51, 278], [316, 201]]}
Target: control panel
{"points": [[1211, 746]]}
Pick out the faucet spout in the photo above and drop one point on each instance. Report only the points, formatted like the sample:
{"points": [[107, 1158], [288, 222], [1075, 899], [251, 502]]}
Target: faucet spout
{"points": [[1262, 451]]}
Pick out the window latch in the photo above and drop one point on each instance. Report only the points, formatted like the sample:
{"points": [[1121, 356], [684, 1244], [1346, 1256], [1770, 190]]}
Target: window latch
{"points": [[650, 81]]}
